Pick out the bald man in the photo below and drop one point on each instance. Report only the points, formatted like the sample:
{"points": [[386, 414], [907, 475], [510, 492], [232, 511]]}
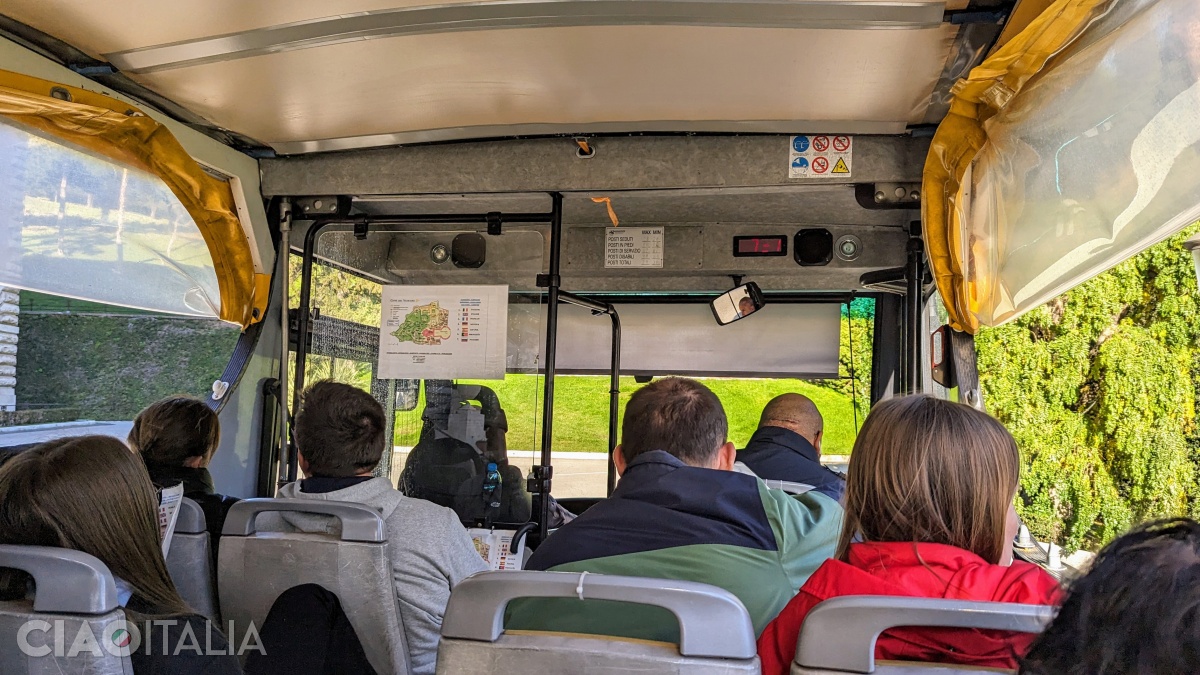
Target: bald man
{"points": [[787, 446]]}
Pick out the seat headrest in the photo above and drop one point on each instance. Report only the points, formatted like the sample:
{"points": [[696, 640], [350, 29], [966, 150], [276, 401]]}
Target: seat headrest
{"points": [[840, 634], [191, 518], [713, 623], [65, 581], [359, 522]]}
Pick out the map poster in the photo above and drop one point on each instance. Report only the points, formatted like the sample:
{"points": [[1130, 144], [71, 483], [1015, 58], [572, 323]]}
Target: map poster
{"points": [[443, 332]]}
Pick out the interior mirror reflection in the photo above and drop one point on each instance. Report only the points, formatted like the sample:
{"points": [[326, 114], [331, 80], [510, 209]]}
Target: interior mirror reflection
{"points": [[738, 303]]}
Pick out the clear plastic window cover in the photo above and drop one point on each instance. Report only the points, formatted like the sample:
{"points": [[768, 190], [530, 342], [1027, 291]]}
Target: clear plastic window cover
{"points": [[1095, 160], [76, 225]]}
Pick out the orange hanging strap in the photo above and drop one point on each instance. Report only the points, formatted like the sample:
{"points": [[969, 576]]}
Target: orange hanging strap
{"points": [[607, 202]]}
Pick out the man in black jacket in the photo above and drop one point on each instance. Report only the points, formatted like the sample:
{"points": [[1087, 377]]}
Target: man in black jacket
{"points": [[787, 446]]}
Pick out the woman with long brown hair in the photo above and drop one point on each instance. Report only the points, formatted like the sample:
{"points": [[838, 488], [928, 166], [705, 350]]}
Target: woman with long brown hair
{"points": [[929, 513], [91, 494]]}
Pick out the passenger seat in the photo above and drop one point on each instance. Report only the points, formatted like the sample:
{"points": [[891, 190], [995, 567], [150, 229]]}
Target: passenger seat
{"points": [[72, 588], [189, 561], [255, 568], [839, 635], [716, 634]]}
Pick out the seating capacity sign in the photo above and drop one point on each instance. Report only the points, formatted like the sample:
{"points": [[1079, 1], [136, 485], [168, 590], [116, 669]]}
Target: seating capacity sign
{"points": [[443, 332]]}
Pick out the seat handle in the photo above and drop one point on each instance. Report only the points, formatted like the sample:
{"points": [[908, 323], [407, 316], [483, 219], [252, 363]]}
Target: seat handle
{"points": [[191, 518], [840, 634], [359, 522], [66, 581], [713, 623]]}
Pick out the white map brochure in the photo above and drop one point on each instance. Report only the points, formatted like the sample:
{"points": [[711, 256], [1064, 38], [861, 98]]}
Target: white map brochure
{"points": [[443, 332], [168, 513], [493, 547]]}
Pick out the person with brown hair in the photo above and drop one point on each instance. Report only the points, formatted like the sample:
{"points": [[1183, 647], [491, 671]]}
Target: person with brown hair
{"points": [[91, 494], [176, 438], [929, 513]]}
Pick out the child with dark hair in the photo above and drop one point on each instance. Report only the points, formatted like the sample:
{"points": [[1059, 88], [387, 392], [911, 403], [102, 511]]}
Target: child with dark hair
{"points": [[176, 439], [1136, 612]]}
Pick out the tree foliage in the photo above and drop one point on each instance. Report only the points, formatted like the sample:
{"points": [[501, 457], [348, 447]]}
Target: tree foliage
{"points": [[1098, 388]]}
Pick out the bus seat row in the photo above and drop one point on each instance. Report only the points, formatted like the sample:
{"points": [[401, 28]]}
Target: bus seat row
{"points": [[75, 598], [254, 568]]}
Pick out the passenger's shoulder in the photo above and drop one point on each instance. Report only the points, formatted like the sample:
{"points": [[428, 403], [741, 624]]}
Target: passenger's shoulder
{"points": [[811, 501], [1027, 583], [425, 514]]}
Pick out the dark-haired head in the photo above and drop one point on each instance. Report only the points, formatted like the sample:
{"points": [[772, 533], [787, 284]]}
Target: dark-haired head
{"points": [[339, 430], [176, 431], [679, 416], [90, 494], [1136, 612]]}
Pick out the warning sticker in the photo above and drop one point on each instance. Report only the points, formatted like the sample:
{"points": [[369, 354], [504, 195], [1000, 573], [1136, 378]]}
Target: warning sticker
{"points": [[633, 247], [821, 157]]}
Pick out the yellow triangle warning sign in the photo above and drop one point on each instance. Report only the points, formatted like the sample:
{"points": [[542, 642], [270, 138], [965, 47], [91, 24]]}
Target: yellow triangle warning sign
{"points": [[841, 167]]}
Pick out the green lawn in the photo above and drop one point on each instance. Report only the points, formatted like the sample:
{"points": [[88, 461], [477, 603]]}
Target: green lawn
{"points": [[581, 410]]}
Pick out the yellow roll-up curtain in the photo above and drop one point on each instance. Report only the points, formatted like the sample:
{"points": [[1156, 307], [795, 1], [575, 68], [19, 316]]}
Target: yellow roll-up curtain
{"points": [[961, 136], [122, 133]]}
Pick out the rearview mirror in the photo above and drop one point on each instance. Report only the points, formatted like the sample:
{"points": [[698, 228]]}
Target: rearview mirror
{"points": [[737, 304]]}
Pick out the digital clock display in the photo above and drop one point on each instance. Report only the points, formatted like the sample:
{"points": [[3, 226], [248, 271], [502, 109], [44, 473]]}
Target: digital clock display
{"points": [[744, 247]]}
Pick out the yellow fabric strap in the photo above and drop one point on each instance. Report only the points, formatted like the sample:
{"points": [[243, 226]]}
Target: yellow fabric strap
{"points": [[124, 134], [961, 137]]}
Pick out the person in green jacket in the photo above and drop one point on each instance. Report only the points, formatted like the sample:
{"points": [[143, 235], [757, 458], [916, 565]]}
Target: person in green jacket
{"points": [[681, 512]]}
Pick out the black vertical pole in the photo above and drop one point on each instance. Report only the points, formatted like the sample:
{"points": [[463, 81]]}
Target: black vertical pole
{"points": [[302, 337], [542, 473], [912, 311], [614, 398]]}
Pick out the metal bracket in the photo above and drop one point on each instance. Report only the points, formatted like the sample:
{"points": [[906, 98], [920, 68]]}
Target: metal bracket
{"points": [[495, 223], [328, 205], [548, 280], [540, 478], [880, 196], [360, 229]]}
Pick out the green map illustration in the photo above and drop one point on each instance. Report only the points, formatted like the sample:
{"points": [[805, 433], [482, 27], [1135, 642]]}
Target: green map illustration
{"points": [[425, 325]]}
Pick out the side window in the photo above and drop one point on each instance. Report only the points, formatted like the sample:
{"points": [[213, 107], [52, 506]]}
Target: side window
{"points": [[108, 293]]}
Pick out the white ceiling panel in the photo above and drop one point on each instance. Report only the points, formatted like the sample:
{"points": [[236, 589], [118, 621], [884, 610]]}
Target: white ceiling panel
{"points": [[570, 78], [312, 75]]}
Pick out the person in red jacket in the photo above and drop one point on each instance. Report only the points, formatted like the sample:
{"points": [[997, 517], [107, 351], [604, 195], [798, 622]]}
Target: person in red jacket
{"points": [[929, 513]]}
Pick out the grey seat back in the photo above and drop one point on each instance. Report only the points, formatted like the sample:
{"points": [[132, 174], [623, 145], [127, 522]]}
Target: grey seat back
{"points": [[839, 635], [75, 589], [254, 568], [189, 561], [716, 634]]}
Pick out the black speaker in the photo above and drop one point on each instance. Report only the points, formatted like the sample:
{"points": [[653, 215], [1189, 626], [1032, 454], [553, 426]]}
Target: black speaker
{"points": [[814, 247], [468, 249]]}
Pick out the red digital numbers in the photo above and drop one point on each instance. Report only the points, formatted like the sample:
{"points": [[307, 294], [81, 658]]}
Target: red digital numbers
{"points": [[750, 246]]}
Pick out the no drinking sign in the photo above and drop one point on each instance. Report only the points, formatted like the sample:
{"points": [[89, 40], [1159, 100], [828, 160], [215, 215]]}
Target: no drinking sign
{"points": [[821, 157]]}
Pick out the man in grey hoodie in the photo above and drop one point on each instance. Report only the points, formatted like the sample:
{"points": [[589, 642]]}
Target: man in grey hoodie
{"points": [[339, 433]]}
